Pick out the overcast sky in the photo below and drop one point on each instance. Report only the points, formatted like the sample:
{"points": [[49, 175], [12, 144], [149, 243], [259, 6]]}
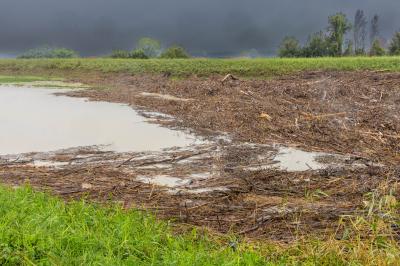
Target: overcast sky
{"points": [[213, 27]]}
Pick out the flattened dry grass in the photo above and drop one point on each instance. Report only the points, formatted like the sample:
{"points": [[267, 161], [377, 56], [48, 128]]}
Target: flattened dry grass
{"points": [[38, 229]]}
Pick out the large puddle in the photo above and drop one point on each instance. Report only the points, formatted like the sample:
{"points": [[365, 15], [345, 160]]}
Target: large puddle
{"points": [[36, 120]]}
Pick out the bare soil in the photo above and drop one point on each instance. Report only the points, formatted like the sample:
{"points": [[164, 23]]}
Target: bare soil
{"points": [[354, 114]]}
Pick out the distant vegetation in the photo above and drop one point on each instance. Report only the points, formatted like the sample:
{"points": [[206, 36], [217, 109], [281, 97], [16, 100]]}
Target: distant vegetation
{"points": [[340, 38], [120, 54], [139, 54], [47, 52], [135, 54], [147, 48], [332, 42], [394, 48], [175, 52], [150, 47]]}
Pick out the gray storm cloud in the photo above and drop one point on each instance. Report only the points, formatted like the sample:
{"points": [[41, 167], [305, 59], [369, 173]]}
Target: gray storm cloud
{"points": [[209, 27]]}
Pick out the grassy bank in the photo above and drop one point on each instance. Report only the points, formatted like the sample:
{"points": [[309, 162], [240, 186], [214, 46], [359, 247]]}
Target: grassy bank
{"points": [[203, 67], [37, 229], [20, 79]]}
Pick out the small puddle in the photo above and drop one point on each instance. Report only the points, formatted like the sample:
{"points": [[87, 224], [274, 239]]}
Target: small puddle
{"points": [[36, 120], [294, 160]]}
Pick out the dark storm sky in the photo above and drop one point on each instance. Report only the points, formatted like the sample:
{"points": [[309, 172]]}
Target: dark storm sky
{"points": [[203, 26]]}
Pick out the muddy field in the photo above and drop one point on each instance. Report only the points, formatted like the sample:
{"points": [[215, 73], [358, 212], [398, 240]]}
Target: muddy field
{"points": [[233, 181]]}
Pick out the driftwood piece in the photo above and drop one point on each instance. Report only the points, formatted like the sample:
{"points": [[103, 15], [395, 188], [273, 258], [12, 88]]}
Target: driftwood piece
{"points": [[229, 77]]}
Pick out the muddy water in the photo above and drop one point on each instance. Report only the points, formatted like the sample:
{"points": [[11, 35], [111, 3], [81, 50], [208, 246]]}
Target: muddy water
{"points": [[36, 120]]}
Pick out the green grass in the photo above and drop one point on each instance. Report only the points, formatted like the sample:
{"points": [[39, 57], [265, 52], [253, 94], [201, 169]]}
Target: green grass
{"points": [[267, 67], [20, 79], [38, 229]]}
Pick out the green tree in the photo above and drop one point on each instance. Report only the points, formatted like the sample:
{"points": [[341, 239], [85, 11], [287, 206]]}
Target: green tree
{"points": [[175, 52], [374, 32], [394, 48], [290, 47], [151, 47], [349, 51], [377, 49], [360, 31], [318, 45], [338, 27]]}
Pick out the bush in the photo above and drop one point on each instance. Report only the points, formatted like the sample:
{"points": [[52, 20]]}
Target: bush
{"points": [[349, 51], [290, 47], [47, 52], [138, 54], [175, 52], [377, 49], [394, 48], [360, 52], [318, 45], [119, 54], [150, 47], [63, 53], [135, 54]]}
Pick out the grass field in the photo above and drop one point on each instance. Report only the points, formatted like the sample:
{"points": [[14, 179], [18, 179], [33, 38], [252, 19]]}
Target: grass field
{"points": [[38, 229], [203, 67]]}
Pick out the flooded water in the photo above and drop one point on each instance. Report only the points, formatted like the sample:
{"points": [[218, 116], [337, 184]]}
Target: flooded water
{"points": [[35, 120]]}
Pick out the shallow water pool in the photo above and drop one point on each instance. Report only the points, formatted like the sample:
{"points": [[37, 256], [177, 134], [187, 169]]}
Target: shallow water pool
{"points": [[36, 120]]}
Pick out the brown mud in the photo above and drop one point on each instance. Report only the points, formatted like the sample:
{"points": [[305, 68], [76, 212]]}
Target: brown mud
{"points": [[223, 184]]}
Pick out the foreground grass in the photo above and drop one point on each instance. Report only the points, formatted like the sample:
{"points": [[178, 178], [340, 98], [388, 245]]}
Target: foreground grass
{"points": [[266, 67], [37, 229]]}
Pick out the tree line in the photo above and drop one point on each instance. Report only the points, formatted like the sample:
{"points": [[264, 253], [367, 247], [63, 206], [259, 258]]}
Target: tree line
{"points": [[151, 48], [332, 41], [145, 48]]}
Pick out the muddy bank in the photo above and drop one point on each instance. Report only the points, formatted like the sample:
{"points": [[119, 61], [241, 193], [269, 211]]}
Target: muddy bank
{"points": [[226, 187], [228, 184]]}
